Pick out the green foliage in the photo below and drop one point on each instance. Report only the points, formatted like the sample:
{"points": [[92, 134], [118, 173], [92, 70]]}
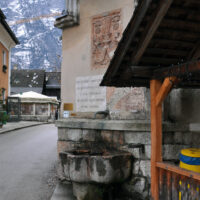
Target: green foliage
{"points": [[3, 117]]}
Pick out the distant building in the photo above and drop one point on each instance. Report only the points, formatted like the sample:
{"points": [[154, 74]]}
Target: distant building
{"points": [[39, 81], [27, 80], [37, 107], [52, 84], [7, 41]]}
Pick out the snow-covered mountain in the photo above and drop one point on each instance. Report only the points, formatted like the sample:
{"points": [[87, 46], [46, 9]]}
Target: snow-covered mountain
{"points": [[40, 44]]}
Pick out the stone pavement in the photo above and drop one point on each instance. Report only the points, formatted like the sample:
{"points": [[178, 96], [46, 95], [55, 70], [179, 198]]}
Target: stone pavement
{"points": [[12, 126], [63, 192]]}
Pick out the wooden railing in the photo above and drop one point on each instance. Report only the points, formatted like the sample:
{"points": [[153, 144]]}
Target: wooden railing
{"points": [[177, 184]]}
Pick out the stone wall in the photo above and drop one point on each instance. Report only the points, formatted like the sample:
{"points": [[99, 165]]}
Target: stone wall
{"points": [[183, 105], [128, 136]]}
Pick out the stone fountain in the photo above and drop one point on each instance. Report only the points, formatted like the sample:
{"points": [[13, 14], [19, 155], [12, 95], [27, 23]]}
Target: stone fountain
{"points": [[91, 171]]}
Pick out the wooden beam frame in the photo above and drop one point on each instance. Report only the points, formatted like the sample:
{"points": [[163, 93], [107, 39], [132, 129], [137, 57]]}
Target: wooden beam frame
{"points": [[159, 92], [165, 89], [150, 30], [178, 170], [156, 137], [177, 70]]}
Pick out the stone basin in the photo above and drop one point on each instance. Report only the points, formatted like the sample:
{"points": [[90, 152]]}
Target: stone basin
{"points": [[84, 166]]}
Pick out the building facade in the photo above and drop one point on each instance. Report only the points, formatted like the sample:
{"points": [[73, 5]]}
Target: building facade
{"points": [[7, 41], [88, 47]]}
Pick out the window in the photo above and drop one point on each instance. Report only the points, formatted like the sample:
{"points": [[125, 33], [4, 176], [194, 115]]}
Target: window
{"points": [[4, 58], [4, 95]]}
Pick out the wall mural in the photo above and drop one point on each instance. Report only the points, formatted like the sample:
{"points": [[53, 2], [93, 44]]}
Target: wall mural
{"points": [[106, 33]]}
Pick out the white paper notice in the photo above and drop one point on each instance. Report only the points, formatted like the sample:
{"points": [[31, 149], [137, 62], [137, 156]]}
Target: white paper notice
{"points": [[90, 97]]}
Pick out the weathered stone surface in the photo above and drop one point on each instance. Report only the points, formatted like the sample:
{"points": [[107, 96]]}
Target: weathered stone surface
{"points": [[68, 134], [63, 146], [168, 138], [137, 187], [91, 135], [75, 134], [119, 125], [171, 152], [62, 134], [111, 168], [87, 191], [142, 167], [184, 105], [138, 137], [107, 136], [178, 138], [118, 138]]}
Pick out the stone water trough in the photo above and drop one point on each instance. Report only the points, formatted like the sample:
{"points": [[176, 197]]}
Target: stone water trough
{"points": [[90, 171]]}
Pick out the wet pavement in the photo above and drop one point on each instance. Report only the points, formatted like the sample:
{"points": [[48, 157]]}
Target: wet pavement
{"points": [[28, 159]]}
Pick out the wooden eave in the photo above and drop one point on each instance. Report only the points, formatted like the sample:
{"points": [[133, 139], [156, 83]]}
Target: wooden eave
{"points": [[160, 35]]}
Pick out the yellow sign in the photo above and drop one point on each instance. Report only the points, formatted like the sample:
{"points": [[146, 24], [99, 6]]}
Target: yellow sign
{"points": [[68, 106]]}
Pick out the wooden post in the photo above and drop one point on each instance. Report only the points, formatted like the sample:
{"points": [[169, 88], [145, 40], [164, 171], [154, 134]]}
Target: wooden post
{"points": [[156, 137], [165, 89], [159, 92]]}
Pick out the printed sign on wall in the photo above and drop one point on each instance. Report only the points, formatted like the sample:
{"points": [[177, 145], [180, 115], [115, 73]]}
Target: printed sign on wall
{"points": [[90, 97]]}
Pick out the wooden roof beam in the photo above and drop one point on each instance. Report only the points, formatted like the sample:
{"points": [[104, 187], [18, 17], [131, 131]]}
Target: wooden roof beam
{"points": [[151, 29], [165, 89], [177, 70], [181, 24], [179, 43], [166, 51]]}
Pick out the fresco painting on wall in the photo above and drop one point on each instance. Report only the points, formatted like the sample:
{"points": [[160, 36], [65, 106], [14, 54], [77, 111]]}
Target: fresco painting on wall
{"points": [[106, 33]]}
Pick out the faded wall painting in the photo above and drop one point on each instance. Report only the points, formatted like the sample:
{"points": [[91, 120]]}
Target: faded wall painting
{"points": [[106, 33], [126, 99]]}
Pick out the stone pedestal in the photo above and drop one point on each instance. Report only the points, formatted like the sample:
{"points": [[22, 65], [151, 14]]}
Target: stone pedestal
{"points": [[87, 191]]}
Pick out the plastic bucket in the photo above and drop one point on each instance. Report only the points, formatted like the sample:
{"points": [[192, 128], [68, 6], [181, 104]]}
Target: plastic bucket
{"points": [[190, 159]]}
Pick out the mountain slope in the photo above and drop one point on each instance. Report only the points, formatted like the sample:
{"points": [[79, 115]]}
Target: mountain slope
{"points": [[40, 45]]}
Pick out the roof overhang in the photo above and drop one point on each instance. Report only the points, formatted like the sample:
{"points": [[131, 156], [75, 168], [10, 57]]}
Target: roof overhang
{"points": [[7, 27], [160, 35]]}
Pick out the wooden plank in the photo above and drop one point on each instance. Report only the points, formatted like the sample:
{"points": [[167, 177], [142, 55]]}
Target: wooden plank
{"points": [[150, 30], [173, 43], [159, 51], [178, 170], [195, 52], [177, 70], [165, 89], [159, 60], [178, 10], [161, 183], [176, 34], [181, 24], [169, 185], [142, 71], [175, 186], [156, 138]]}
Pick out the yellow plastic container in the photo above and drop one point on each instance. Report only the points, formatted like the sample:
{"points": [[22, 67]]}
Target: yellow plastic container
{"points": [[193, 155]]}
